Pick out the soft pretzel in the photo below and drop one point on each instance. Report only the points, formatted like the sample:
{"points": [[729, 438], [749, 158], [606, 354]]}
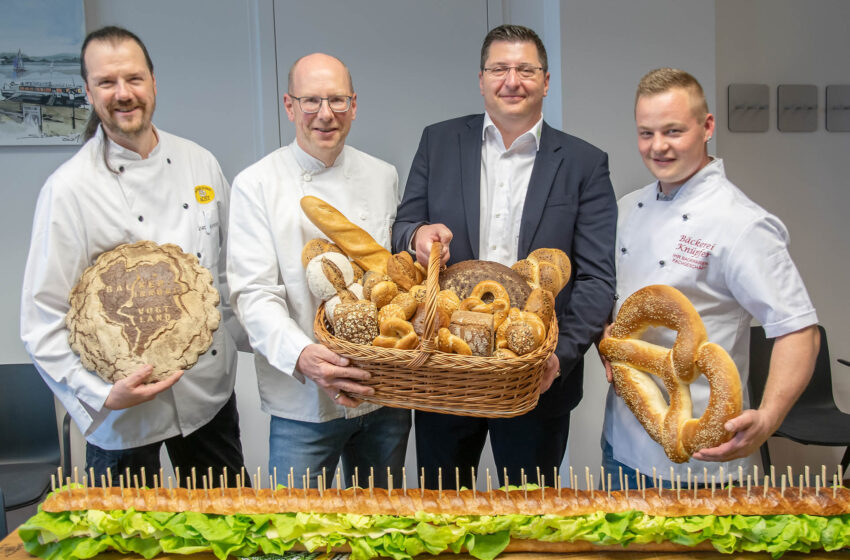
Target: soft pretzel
{"points": [[401, 269], [488, 296], [396, 333], [390, 311], [545, 268], [631, 359], [447, 342]]}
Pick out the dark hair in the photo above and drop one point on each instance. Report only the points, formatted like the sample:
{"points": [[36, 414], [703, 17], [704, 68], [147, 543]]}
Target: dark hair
{"points": [[114, 35], [513, 34]]}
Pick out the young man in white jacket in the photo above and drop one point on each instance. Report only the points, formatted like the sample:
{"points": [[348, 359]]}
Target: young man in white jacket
{"points": [[694, 230]]}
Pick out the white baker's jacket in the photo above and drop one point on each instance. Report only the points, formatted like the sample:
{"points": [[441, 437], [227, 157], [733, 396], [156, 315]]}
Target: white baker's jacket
{"points": [[730, 258], [83, 210], [268, 285]]}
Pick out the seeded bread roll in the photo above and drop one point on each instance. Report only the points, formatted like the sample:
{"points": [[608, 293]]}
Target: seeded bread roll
{"points": [[356, 322]]}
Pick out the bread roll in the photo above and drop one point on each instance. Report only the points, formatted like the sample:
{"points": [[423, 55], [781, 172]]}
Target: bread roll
{"points": [[356, 322], [402, 271], [447, 342], [316, 247], [317, 273]]}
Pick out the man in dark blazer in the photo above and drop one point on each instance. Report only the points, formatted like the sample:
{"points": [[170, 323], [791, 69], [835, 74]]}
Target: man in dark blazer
{"points": [[496, 187]]}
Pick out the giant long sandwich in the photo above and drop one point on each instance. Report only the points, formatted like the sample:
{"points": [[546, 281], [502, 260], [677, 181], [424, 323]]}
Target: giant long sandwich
{"points": [[80, 522]]}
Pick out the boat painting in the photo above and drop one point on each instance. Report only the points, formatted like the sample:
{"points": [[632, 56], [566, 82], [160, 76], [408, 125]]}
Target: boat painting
{"points": [[42, 96]]}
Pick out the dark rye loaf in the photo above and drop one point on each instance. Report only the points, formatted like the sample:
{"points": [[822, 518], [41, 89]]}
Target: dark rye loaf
{"points": [[462, 277]]}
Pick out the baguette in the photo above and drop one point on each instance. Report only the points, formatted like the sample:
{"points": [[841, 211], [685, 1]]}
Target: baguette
{"points": [[353, 240]]}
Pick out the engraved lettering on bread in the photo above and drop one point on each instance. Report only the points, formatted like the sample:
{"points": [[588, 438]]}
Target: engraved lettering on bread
{"points": [[142, 300]]}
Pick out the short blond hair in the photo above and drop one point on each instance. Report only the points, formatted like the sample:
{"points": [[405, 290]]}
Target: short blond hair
{"points": [[662, 80]]}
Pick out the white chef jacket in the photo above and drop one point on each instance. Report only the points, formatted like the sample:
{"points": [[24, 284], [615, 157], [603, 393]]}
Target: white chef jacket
{"points": [[83, 210], [505, 174], [268, 285], [730, 258]]}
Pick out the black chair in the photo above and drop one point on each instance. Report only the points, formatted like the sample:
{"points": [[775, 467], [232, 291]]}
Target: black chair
{"points": [[29, 438], [3, 530], [814, 419]]}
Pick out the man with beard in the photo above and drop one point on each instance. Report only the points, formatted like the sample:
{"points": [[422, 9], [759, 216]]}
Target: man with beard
{"points": [[129, 182]]}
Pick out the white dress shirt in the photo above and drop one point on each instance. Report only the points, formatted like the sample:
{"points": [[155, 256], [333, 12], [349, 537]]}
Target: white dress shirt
{"points": [[268, 283], [730, 258], [505, 174], [83, 210]]}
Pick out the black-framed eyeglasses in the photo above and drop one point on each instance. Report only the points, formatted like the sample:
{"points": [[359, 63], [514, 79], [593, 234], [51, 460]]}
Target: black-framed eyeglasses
{"points": [[311, 103], [524, 71]]}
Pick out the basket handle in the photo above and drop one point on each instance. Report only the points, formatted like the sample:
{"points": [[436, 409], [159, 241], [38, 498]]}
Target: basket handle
{"points": [[432, 288]]}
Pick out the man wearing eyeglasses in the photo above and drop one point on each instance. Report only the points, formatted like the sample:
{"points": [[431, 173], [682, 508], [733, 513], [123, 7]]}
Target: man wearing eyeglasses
{"points": [[310, 392], [495, 187]]}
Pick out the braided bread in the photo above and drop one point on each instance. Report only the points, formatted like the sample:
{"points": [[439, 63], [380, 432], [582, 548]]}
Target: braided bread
{"points": [[671, 425], [447, 342], [488, 296], [545, 268], [396, 333]]}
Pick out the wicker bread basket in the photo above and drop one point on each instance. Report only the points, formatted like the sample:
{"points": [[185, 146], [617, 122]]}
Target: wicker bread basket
{"points": [[433, 381]]}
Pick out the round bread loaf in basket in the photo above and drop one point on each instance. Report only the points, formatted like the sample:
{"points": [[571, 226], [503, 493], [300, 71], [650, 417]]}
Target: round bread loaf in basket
{"points": [[433, 381]]}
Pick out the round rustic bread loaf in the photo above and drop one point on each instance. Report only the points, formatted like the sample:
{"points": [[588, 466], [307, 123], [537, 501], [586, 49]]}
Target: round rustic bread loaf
{"points": [[462, 278], [142, 303]]}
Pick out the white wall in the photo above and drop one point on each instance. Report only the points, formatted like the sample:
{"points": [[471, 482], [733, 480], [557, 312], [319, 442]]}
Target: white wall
{"points": [[801, 177], [608, 45]]}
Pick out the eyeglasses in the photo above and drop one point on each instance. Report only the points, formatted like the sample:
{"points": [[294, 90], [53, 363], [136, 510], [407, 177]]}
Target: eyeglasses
{"points": [[312, 104], [524, 71]]}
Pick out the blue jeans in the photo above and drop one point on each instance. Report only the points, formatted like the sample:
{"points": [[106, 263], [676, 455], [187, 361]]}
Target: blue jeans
{"points": [[376, 440], [613, 466]]}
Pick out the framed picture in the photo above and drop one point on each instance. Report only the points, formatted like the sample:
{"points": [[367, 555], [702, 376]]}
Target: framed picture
{"points": [[42, 96]]}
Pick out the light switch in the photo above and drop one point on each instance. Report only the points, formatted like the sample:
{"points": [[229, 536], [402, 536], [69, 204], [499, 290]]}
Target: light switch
{"points": [[838, 108], [748, 107], [797, 108]]}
